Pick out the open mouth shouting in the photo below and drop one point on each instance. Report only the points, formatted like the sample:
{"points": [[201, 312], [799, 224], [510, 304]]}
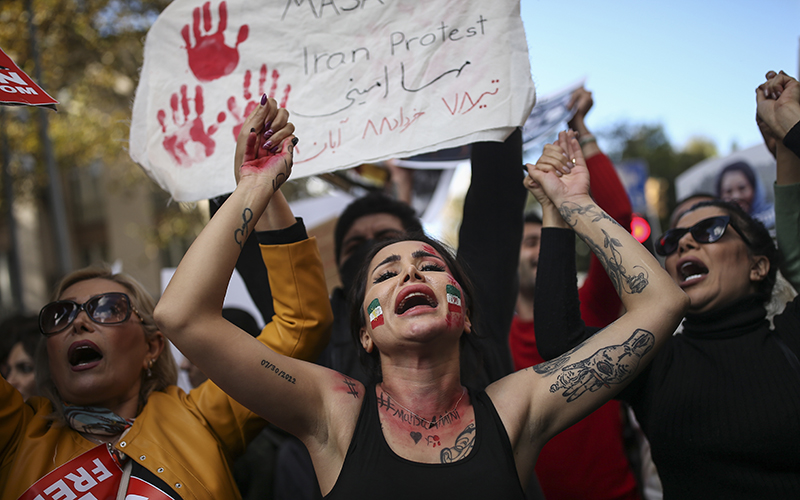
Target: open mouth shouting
{"points": [[415, 298], [690, 271], [84, 355]]}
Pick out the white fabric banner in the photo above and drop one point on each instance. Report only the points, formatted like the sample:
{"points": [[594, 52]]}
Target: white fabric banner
{"points": [[364, 81]]}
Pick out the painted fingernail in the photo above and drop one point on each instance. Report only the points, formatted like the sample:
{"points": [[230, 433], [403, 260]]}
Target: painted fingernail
{"points": [[252, 130], [276, 148], [267, 144], [263, 99], [268, 134], [295, 140]]}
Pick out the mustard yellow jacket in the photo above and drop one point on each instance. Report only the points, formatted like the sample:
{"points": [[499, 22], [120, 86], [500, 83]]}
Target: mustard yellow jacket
{"points": [[187, 440]]}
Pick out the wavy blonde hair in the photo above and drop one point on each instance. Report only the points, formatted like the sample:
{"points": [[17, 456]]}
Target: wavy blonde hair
{"points": [[164, 371]]}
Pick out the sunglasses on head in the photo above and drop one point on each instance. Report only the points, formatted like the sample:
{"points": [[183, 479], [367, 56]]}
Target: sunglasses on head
{"points": [[706, 231], [106, 309]]}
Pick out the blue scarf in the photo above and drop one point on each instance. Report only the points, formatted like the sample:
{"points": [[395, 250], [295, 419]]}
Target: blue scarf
{"points": [[95, 421]]}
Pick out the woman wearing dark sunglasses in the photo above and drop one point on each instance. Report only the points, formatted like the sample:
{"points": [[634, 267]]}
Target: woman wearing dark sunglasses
{"points": [[720, 404], [113, 422]]}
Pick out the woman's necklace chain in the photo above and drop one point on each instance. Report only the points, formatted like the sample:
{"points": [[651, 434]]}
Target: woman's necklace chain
{"points": [[428, 422]]}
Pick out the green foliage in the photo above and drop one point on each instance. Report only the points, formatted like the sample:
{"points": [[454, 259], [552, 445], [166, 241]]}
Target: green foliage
{"points": [[649, 142], [90, 53]]}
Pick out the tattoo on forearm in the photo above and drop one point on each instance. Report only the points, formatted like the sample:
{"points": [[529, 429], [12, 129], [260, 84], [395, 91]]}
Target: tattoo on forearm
{"points": [[241, 234], [549, 367], [608, 254], [612, 262], [569, 210], [464, 443], [608, 366], [282, 374]]}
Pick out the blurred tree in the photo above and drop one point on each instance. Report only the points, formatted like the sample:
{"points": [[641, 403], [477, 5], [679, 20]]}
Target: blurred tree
{"points": [[649, 142], [90, 54]]}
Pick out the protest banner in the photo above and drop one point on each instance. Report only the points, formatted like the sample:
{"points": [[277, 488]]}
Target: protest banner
{"points": [[364, 81], [18, 89]]}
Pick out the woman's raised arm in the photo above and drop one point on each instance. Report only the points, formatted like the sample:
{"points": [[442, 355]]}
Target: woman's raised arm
{"points": [[286, 391], [539, 402]]}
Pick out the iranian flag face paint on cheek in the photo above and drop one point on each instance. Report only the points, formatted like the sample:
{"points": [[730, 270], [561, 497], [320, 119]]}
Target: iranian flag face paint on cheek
{"points": [[375, 314], [453, 299]]}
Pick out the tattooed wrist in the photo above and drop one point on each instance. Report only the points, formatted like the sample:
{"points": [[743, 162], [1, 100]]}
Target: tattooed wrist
{"points": [[569, 212], [241, 233]]}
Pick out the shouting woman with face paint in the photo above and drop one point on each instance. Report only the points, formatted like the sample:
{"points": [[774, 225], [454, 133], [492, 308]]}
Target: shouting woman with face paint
{"points": [[418, 432]]}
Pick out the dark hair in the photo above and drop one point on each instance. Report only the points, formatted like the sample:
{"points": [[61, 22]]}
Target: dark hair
{"points": [[738, 166], [532, 218], [24, 329], [28, 334], [374, 203], [760, 241], [673, 218], [357, 293]]}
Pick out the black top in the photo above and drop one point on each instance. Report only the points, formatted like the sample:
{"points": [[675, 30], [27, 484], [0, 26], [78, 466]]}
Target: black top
{"points": [[720, 403], [372, 470]]}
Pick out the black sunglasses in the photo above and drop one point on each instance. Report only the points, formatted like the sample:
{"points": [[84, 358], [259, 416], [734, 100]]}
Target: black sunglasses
{"points": [[106, 309], [706, 231]]}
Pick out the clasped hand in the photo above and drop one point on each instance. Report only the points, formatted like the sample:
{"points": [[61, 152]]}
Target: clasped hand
{"points": [[560, 174], [777, 105]]}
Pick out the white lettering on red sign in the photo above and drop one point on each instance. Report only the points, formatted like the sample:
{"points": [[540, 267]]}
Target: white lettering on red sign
{"points": [[12, 76], [93, 475]]}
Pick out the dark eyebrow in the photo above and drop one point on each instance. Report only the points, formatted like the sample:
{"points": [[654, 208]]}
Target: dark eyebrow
{"points": [[422, 253], [391, 258]]}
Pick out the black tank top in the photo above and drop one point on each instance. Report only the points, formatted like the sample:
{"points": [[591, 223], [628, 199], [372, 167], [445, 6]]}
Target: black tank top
{"points": [[372, 470]]}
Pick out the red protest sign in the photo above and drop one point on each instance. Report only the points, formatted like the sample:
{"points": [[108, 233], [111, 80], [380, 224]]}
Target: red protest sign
{"points": [[94, 474], [17, 88]]}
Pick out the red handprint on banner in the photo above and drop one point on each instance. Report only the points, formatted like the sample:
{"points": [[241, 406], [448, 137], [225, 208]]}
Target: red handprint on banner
{"points": [[251, 99], [210, 58], [189, 132]]}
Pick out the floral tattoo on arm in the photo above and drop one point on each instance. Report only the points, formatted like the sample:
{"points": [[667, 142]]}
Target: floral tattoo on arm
{"points": [[608, 253]]}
